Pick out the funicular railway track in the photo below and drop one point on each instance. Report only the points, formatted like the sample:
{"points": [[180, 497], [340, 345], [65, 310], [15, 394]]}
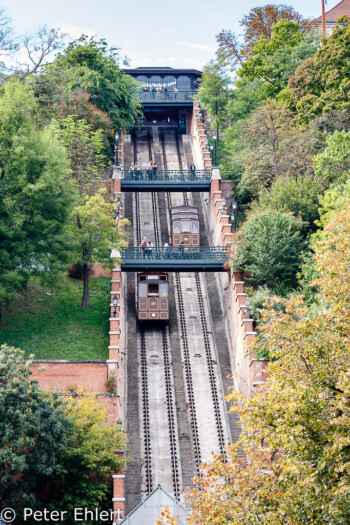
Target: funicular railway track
{"points": [[202, 402], [204, 329], [163, 341]]}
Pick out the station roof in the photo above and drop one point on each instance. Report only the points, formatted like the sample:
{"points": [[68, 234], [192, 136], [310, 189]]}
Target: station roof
{"points": [[151, 507], [343, 8], [170, 70]]}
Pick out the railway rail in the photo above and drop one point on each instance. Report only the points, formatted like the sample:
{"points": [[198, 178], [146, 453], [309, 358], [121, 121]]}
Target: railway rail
{"points": [[164, 343]]}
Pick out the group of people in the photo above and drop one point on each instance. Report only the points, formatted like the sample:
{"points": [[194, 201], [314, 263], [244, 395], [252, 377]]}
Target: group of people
{"points": [[157, 90], [136, 172], [147, 249]]}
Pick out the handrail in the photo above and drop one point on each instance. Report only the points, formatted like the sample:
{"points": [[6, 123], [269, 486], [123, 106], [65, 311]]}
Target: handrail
{"points": [[166, 175], [175, 252]]}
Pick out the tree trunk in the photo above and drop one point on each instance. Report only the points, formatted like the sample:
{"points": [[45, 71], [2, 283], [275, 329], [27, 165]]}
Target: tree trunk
{"points": [[86, 291]]}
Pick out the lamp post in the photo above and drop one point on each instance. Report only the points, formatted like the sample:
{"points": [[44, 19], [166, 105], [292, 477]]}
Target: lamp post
{"points": [[211, 147], [115, 305], [224, 204], [215, 138], [116, 147], [233, 215]]}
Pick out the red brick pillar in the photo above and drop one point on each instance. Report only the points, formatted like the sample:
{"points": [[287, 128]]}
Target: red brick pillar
{"points": [[119, 491], [114, 319]]}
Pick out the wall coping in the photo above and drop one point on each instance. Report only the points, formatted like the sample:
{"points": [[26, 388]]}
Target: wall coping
{"points": [[250, 333], [253, 359], [80, 361], [118, 476]]}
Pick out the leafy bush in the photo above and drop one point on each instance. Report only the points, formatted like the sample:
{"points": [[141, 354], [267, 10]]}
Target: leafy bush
{"points": [[269, 247], [300, 195]]}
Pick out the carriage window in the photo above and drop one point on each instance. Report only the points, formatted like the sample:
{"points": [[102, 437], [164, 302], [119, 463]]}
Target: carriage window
{"points": [[186, 226], [195, 228], [143, 289], [152, 289], [163, 290], [177, 227], [162, 278]]}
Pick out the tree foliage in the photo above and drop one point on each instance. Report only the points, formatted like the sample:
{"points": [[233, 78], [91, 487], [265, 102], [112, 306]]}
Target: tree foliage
{"points": [[333, 164], [33, 433], [259, 22], [299, 195], [36, 194], [322, 83], [54, 452], [96, 233], [268, 246], [295, 431], [93, 69], [89, 458], [272, 144]]}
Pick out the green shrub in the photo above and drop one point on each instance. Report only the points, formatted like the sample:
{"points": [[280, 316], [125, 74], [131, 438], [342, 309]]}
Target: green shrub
{"points": [[269, 247], [300, 195]]}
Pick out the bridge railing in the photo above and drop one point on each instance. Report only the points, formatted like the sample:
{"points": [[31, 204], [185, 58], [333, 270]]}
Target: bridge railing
{"points": [[169, 96], [176, 252], [166, 175]]}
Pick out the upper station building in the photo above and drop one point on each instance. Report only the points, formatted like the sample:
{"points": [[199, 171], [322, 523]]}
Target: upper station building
{"points": [[167, 95], [343, 8]]}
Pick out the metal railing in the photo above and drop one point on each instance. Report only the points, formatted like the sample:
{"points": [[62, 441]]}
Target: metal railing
{"points": [[217, 253], [169, 96], [166, 175]]}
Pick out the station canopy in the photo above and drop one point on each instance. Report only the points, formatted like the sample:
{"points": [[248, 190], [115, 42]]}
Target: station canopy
{"points": [[151, 508]]}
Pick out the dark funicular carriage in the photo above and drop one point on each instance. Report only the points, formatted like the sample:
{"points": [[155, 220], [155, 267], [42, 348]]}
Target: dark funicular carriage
{"points": [[152, 297]]}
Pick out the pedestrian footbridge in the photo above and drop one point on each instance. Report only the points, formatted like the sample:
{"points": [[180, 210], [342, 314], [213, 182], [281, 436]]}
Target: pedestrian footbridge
{"points": [[175, 259], [166, 180]]}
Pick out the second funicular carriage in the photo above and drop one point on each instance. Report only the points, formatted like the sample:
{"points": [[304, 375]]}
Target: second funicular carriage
{"points": [[184, 227]]}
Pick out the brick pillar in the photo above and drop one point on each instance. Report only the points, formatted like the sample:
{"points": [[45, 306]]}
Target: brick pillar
{"points": [[119, 491], [117, 179], [114, 319]]}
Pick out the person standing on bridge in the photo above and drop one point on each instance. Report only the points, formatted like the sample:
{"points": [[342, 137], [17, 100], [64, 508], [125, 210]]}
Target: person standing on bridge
{"points": [[137, 171], [144, 246], [193, 170], [175, 91], [149, 169], [154, 170]]}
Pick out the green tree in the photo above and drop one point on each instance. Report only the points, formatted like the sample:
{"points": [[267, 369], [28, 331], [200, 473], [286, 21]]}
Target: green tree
{"points": [[97, 233], [33, 433], [272, 144], [36, 194], [93, 68], [333, 164], [89, 459], [268, 246], [274, 59], [296, 429], [85, 147], [213, 94], [259, 22], [299, 195], [322, 84]]}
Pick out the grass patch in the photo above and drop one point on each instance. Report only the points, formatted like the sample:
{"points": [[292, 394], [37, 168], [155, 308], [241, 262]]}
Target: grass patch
{"points": [[55, 326]]}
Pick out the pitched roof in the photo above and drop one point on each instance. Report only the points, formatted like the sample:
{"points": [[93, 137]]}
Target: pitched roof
{"points": [[151, 507], [343, 8]]}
